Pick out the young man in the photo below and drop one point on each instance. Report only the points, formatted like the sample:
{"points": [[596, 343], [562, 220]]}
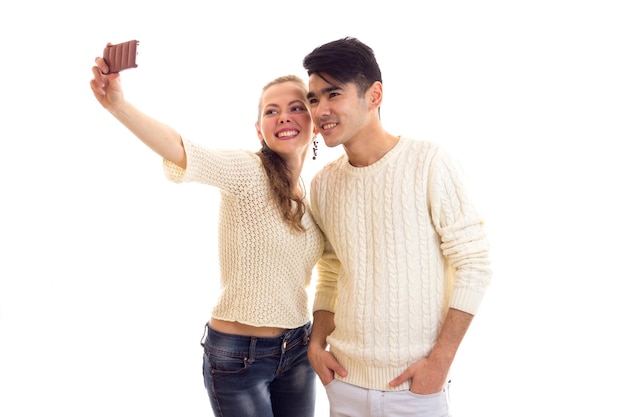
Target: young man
{"points": [[407, 263]]}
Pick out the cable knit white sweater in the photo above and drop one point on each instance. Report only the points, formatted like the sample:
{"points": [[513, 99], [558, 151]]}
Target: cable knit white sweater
{"points": [[265, 266], [407, 244]]}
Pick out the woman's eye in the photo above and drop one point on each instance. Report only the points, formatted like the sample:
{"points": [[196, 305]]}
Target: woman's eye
{"points": [[270, 112], [298, 108]]}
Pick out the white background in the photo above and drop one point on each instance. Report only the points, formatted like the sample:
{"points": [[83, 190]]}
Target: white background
{"points": [[108, 271]]}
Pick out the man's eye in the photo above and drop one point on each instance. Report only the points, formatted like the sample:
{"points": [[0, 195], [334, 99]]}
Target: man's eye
{"points": [[313, 101], [333, 94]]}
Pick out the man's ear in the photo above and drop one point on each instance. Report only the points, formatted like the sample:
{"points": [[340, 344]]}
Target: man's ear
{"points": [[315, 129], [375, 94]]}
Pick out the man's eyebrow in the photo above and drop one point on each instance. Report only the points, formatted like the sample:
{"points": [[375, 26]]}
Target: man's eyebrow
{"points": [[325, 90]]}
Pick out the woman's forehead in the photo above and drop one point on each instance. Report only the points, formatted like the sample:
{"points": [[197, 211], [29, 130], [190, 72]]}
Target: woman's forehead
{"points": [[284, 92]]}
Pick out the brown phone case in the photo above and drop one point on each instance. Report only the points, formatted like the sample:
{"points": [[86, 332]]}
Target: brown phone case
{"points": [[121, 56]]}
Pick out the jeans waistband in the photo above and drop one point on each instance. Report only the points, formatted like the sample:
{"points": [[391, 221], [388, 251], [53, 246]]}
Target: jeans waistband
{"points": [[218, 342]]}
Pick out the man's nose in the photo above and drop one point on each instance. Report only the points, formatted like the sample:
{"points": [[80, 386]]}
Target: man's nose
{"points": [[321, 109]]}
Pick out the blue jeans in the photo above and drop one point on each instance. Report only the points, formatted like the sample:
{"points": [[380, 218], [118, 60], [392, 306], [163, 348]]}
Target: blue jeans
{"points": [[259, 377]]}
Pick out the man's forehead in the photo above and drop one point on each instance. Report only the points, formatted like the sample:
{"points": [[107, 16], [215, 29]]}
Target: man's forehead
{"points": [[323, 82]]}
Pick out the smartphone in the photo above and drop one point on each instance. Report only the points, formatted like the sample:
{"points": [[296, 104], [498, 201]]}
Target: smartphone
{"points": [[121, 56]]}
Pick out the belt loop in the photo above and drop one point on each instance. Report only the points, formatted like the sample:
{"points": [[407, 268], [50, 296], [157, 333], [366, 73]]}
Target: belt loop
{"points": [[204, 335], [251, 350], [285, 339], [306, 338]]}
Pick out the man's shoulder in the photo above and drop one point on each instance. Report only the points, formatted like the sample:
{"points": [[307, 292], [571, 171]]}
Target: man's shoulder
{"points": [[419, 144], [410, 151]]}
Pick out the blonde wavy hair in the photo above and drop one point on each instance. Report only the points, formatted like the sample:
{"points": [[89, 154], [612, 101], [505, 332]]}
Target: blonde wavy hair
{"points": [[291, 207]]}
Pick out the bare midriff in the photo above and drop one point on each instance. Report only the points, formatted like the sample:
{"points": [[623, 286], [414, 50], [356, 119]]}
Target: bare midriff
{"points": [[234, 327]]}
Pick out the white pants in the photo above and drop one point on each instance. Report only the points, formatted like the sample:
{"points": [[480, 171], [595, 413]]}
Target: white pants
{"points": [[347, 400]]}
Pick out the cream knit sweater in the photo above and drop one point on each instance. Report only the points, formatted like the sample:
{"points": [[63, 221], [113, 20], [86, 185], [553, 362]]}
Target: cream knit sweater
{"points": [[408, 244], [265, 267]]}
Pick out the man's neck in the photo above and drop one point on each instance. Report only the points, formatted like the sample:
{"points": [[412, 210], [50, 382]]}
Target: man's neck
{"points": [[369, 150]]}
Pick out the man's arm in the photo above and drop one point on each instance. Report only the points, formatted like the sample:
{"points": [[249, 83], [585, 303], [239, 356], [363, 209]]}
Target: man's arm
{"points": [[322, 361], [429, 374], [466, 249]]}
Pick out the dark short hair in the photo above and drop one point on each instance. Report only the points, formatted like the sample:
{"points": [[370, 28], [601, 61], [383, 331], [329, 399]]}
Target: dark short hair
{"points": [[345, 60]]}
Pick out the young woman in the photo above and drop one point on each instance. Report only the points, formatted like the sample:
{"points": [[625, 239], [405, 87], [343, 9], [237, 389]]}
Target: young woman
{"points": [[255, 344]]}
